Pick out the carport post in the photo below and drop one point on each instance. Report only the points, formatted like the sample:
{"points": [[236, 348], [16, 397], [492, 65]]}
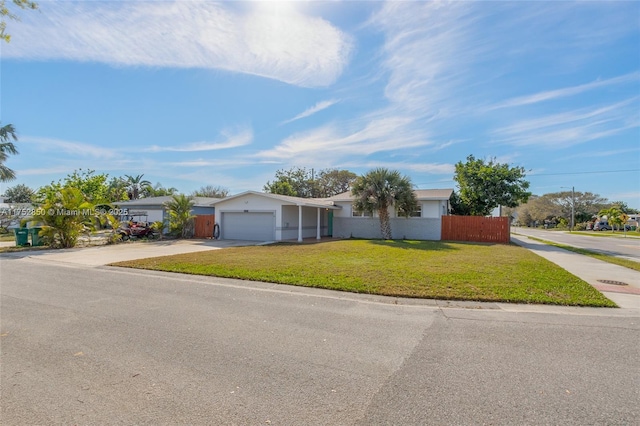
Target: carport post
{"points": [[318, 229], [300, 223]]}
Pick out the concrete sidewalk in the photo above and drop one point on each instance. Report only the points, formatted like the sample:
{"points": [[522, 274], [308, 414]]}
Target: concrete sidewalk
{"points": [[591, 270]]}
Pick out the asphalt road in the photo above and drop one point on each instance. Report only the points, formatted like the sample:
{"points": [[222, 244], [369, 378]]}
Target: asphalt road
{"points": [[623, 247], [99, 345]]}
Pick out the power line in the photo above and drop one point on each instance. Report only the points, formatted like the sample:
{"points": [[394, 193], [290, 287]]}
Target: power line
{"points": [[585, 173], [547, 174]]}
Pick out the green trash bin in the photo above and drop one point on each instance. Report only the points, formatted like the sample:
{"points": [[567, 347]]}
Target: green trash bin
{"points": [[35, 237], [22, 236]]}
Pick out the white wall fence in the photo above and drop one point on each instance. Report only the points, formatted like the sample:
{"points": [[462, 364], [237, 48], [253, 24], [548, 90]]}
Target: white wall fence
{"points": [[401, 228]]}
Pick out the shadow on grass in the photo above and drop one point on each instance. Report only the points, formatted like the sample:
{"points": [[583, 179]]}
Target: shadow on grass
{"points": [[415, 245]]}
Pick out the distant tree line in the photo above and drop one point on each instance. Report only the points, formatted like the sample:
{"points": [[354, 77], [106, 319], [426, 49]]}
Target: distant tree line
{"points": [[555, 209]]}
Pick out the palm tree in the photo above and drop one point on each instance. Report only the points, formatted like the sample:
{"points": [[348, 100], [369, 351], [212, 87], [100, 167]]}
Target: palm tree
{"points": [[135, 185], [158, 191], [380, 189], [64, 215], [7, 133], [614, 216], [180, 216]]}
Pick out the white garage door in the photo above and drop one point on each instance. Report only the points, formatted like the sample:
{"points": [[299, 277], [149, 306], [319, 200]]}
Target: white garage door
{"points": [[250, 226]]}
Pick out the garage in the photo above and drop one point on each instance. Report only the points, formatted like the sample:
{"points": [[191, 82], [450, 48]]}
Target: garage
{"points": [[251, 226]]}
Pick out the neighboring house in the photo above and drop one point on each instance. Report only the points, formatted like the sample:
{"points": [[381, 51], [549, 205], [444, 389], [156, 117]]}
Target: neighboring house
{"points": [[262, 216], [11, 214], [155, 210]]}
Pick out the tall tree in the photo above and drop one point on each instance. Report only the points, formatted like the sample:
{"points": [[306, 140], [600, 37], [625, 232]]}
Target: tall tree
{"points": [[381, 189], [180, 216], [487, 185], [556, 205], [457, 206], [304, 183], [135, 186], [296, 182], [624, 207], [7, 137], [20, 193], [117, 189], [6, 13], [94, 186], [332, 182], [211, 191]]}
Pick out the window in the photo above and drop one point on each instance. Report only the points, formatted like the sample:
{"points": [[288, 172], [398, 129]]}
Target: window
{"points": [[416, 213], [356, 213]]}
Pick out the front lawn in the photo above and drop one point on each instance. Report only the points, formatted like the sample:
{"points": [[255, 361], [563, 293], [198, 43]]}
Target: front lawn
{"points": [[426, 269]]}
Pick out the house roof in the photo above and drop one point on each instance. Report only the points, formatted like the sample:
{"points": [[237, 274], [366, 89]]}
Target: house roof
{"points": [[159, 201], [421, 195], [298, 201], [433, 194]]}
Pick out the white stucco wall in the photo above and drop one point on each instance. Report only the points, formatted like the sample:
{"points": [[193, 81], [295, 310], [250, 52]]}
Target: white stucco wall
{"points": [[427, 227], [286, 215], [401, 228]]}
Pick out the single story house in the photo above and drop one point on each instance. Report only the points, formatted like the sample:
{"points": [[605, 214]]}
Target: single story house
{"points": [[155, 211], [262, 216]]}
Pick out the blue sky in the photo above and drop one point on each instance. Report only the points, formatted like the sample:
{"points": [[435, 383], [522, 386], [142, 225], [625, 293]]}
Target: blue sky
{"points": [[194, 93]]}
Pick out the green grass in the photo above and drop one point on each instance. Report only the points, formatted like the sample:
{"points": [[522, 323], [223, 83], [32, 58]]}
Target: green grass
{"points": [[609, 234], [425, 269], [7, 237], [13, 249], [596, 255]]}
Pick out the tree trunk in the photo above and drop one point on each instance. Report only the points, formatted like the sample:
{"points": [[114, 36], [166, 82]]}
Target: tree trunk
{"points": [[385, 224]]}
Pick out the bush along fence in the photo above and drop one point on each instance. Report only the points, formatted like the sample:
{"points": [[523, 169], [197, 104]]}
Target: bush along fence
{"points": [[477, 229]]}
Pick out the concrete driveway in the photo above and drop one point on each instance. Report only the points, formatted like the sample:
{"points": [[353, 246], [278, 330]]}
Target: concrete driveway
{"points": [[103, 255]]}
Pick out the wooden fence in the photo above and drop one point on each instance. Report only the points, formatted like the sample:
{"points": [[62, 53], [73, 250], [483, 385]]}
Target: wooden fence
{"points": [[203, 226], [478, 229]]}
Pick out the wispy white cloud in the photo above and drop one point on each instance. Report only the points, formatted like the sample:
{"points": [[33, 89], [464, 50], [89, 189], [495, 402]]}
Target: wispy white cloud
{"points": [[312, 110], [43, 171], [269, 39], [416, 58], [565, 92], [601, 153], [572, 128], [230, 140], [333, 142], [75, 149]]}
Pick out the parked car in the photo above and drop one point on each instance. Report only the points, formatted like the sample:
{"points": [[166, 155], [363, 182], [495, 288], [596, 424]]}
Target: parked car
{"points": [[603, 225]]}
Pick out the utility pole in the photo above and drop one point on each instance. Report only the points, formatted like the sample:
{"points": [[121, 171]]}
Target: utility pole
{"points": [[573, 208]]}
